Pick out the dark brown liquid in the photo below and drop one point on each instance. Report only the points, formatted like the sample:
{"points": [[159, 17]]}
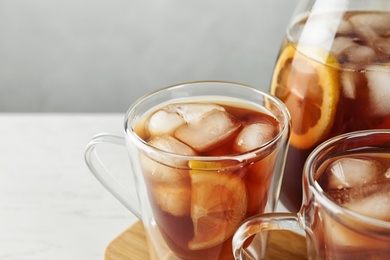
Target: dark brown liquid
{"points": [[256, 175]]}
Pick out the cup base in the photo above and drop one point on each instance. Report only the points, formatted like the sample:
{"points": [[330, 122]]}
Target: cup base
{"points": [[131, 244]]}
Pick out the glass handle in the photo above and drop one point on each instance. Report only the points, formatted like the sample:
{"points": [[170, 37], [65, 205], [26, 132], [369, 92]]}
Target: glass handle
{"points": [[104, 176], [261, 224]]}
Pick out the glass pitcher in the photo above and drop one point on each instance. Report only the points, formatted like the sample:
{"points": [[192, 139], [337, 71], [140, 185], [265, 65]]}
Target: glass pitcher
{"points": [[333, 74]]}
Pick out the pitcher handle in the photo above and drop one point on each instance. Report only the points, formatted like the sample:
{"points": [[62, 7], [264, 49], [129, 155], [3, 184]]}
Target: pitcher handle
{"points": [[104, 176], [262, 223]]}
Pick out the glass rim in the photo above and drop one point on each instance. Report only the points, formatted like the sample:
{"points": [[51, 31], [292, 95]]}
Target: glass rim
{"points": [[239, 157], [319, 194]]}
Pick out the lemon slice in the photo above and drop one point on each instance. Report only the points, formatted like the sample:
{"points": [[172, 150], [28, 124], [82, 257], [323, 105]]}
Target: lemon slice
{"points": [[310, 90], [218, 205]]}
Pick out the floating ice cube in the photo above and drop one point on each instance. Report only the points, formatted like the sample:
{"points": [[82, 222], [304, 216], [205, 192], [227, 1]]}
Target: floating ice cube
{"points": [[364, 30], [379, 91], [371, 199], [344, 27], [209, 131], [382, 45], [387, 174], [158, 172], [169, 118], [353, 172], [163, 168], [376, 22], [360, 54], [190, 111], [340, 45], [173, 198], [253, 136], [172, 145], [374, 201], [348, 80], [164, 121]]}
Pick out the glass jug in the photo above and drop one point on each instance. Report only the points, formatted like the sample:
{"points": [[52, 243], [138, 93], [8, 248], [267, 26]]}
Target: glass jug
{"points": [[333, 74]]}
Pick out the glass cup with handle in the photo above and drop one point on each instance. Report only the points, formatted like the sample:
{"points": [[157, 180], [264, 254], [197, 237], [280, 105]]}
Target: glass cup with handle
{"points": [[345, 210], [204, 157]]}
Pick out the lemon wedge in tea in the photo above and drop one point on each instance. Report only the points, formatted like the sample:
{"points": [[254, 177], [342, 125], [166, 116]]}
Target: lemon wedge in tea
{"points": [[218, 205]]}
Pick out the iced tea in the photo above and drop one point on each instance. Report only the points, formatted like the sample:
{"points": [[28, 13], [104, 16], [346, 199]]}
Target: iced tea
{"points": [[198, 202], [359, 182], [333, 73], [345, 212]]}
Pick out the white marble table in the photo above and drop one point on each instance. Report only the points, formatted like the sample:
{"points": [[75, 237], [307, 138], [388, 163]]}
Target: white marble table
{"points": [[51, 206]]}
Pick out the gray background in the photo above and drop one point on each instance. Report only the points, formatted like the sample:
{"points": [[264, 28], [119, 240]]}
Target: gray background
{"points": [[101, 55]]}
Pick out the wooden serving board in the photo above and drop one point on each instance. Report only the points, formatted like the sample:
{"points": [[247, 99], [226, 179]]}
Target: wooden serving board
{"points": [[131, 245]]}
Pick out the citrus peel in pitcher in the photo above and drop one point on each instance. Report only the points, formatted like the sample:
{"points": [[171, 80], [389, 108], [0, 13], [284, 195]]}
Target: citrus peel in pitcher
{"points": [[310, 90]]}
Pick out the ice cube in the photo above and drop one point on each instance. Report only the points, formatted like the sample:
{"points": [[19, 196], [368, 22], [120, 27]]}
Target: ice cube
{"points": [[158, 172], [170, 144], [353, 172], [340, 44], [382, 45], [360, 54], [387, 174], [169, 118], [253, 136], [364, 29], [379, 91], [208, 131], [375, 205], [165, 168], [372, 199], [348, 81], [344, 27], [173, 198], [375, 21], [190, 111], [164, 121]]}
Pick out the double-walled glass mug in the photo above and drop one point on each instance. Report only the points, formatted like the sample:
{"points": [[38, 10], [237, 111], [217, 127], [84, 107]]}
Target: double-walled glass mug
{"points": [[204, 157], [345, 210], [333, 74]]}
